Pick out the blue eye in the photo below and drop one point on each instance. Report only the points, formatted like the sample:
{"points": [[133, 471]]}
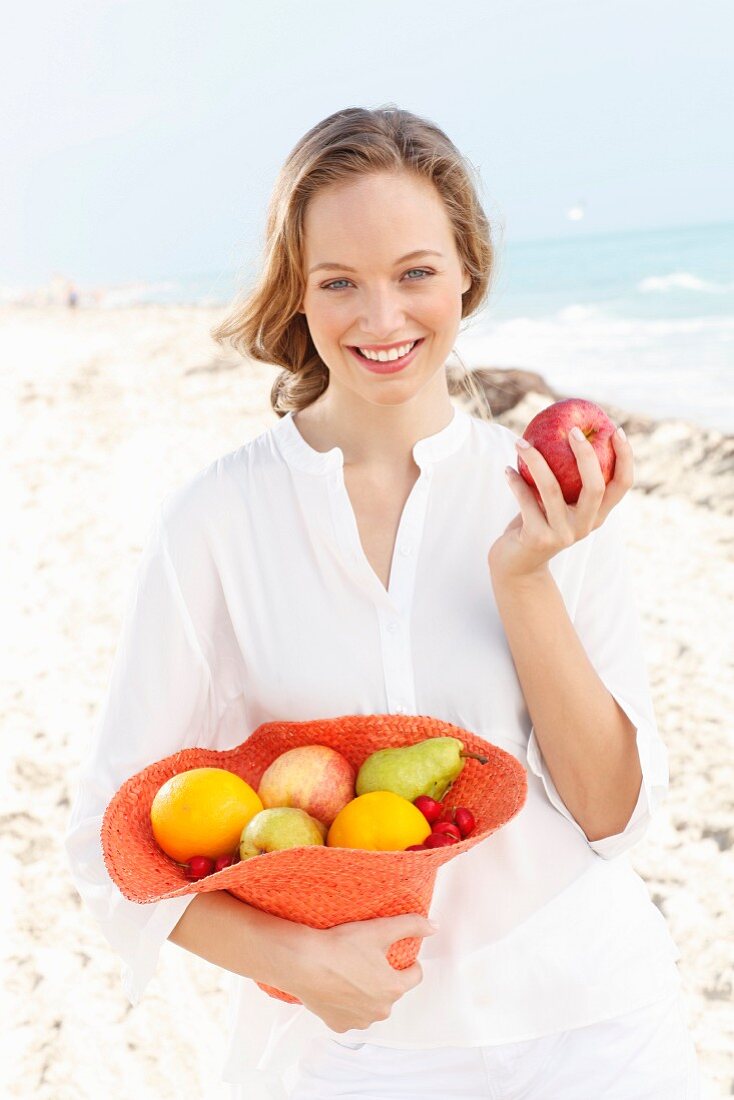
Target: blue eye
{"points": [[421, 270]]}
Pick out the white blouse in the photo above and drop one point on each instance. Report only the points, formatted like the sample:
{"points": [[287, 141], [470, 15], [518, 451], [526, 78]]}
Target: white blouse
{"points": [[254, 602]]}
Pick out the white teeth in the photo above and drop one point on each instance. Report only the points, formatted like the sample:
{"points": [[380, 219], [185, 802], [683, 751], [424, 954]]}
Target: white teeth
{"points": [[388, 356]]}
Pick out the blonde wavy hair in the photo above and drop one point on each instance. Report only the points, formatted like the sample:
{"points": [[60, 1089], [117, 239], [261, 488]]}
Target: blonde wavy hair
{"points": [[265, 325]]}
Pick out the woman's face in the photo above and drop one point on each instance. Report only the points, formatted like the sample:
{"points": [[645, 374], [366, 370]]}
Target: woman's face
{"points": [[369, 295]]}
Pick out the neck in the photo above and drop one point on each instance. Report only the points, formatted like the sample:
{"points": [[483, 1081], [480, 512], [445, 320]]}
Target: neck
{"points": [[373, 437]]}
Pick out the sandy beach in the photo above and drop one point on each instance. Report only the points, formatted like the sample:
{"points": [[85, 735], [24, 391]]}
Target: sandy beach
{"points": [[103, 413]]}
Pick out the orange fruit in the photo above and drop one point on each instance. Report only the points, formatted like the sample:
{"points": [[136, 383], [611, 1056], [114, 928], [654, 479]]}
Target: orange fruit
{"points": [[202, 812], [380, 821]]}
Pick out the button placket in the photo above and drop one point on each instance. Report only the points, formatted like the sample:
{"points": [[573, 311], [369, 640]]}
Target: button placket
{"points": [[397, 653], [393, 607], [402, 579], [397, 663]]}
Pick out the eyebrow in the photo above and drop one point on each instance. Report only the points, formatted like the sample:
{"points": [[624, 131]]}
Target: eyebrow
{"points": [[408, 256]]}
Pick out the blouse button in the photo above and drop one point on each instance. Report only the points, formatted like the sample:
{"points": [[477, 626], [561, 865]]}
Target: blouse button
{"points": [[406, 549], [392, 626], [400, 709]]}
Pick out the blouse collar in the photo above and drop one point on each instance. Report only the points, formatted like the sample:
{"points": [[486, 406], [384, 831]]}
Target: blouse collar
{"points": [[300, 454]]}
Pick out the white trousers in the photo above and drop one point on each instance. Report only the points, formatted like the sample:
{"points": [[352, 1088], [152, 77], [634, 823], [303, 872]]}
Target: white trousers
{"points": [[647, 1054]]}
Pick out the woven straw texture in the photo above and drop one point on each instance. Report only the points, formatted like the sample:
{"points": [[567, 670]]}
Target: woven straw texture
{"points": [[317, 886]]}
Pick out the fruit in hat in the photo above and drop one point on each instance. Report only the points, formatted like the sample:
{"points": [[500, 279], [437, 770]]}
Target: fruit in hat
{"points": [[202, 812], [429, 767], [440, 840], [278, 827], [199, 867], [378, 821], [548, 433], [315, 778], [465, 820], [430, 809]]}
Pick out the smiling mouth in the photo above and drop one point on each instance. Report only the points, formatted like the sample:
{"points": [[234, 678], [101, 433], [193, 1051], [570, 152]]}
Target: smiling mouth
{"points": [[388, 362]]}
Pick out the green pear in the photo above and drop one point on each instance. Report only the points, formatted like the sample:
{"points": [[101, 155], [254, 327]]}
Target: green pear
{"points": [[280, 827], [428, 767]]}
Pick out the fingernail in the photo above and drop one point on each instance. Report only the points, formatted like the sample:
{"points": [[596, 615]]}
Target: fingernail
{"points": [[509, 472], [522, 443], [621, 432], [577, 433], [433, 926]]}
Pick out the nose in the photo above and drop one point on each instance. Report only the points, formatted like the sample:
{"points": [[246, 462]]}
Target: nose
{"points": [[382, 315]]}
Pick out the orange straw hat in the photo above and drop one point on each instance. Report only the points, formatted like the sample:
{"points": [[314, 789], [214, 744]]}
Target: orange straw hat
{"points": [[320, 886]]}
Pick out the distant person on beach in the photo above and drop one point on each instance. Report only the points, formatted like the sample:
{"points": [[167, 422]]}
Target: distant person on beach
{"points": [[72, 298], [373, 552]]}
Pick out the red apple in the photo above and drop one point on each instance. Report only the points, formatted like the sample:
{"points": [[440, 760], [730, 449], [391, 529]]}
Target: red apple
{"points": [[314, 778], [548, 433]]}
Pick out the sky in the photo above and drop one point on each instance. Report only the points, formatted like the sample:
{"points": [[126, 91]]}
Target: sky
{"points": [[142, 140]]}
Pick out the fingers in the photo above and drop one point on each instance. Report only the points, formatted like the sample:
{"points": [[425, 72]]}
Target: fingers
{"points": [[404, 926], [412, 976], [597, 499], [592, 482], [623, 477], [534, 511], [551, 498]]}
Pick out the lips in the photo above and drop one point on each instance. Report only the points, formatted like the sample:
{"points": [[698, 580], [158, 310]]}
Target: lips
{"points": [[389, 366]]}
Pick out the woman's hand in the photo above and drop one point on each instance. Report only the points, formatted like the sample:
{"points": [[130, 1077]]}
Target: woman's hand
{"points": [[346, 979], [538, 532]]}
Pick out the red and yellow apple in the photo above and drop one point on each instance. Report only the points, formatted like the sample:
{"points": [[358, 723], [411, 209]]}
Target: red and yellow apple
{"points": [[314, 778], [548, 433]]}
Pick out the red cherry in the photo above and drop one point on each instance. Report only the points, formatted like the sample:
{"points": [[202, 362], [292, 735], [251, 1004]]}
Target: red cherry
{"points": [[429, 807], [465, 820], [439, 840], [447, 815], [222, 862], [415, 848], [449, 828], [200, 866]]}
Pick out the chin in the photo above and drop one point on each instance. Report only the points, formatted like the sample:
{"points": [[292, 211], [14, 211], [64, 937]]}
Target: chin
{"points": [[392, 400]]}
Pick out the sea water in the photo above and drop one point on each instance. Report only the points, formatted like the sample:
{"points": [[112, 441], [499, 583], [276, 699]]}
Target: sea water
{"points": [[643, 320]]}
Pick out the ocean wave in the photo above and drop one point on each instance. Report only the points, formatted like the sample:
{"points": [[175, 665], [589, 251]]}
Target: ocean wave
{"points": [[588, 320], [571, 315], [666, 367], [682, 280]]}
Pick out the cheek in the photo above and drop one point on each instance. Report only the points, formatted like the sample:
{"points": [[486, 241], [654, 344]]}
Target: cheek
{"points": [[324, 323], [445, 311], [328, 314]]}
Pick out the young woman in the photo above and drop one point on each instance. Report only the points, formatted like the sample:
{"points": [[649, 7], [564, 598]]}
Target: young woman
{"points": [[372, 553]]}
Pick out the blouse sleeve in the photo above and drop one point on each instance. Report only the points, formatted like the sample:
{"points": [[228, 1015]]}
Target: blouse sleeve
{"points": [[608, 625], [159, 700]]}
